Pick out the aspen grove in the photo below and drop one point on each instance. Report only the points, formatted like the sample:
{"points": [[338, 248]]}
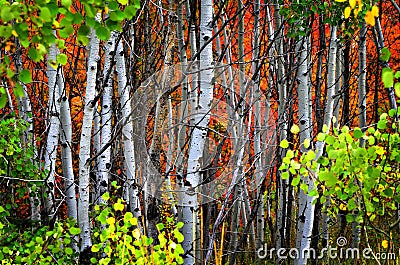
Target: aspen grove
{"points": [[199, 132]]}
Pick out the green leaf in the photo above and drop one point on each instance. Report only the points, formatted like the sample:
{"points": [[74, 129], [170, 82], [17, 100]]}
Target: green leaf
{"points": [[285, 175], [66, 3], [96, 248], [397, 89], [397, 75], [45, 14], [113, 5], [178, 235], [34, 54], [25, 76], [19, 91], [321, 137], [385, 55], [83, 40], [3, 100], [296, 181], [103, 33], [358, 133], [62, 59], [387, 77], [130, 12], [68, 251], [10, 73], [388, 192], [67, 31], [6, 14], [117, 15], [284, 144], [83, 30], [128, 216], [382, 124], [160, 226], [105, 196], [75, 231], [123, 2]]}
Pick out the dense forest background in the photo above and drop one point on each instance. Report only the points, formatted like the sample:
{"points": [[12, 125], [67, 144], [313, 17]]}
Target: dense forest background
{"points": [[199, 132]]}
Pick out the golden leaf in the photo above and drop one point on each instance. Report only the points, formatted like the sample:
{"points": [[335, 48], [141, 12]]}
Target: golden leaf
{"points": [[375, 11], [385, 243], [347, 12], [369, 18], [352, 3]]}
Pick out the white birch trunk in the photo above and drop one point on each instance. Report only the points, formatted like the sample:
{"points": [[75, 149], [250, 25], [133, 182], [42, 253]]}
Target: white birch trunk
{"points": [[66, 157], [67, 166], [106, 119], [96, 148], [306, 208], [50, 153], [283, 126], [84, 153], [362, 77], [201, 120], [127, 132], [260, 221], [25, 109]]}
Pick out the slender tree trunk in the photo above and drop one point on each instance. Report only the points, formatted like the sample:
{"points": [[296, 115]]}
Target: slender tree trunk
{"points": [[283, 184], [50, 154], [362, 77], [25, 110], [127, 132], [66, 157], [201, 120], [84, 153], [306, 207], [258, 144], [104, 161], [381, 44]]}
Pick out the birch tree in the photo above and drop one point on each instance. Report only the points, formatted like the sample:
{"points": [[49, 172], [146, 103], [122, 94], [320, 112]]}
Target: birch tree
{"points": [[104, 164], [306, 207], [201, 119], [84, 153], [54, 128], [127, 132]]}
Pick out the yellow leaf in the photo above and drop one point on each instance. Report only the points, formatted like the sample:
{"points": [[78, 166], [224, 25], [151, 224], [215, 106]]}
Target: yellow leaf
{"points": [[111, 220], [347, 12], [307, 143], [340, 1], [355, 11], [375, 11], [385, 243], [369, 18], [295, 129], [136, 233], [342, 207], [14, 33], [360, 4], [352, 3], [106, 10]]}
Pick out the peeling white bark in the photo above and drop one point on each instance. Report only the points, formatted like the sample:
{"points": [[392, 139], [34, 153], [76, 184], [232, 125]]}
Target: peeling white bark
{"points": [[84, 153]]}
